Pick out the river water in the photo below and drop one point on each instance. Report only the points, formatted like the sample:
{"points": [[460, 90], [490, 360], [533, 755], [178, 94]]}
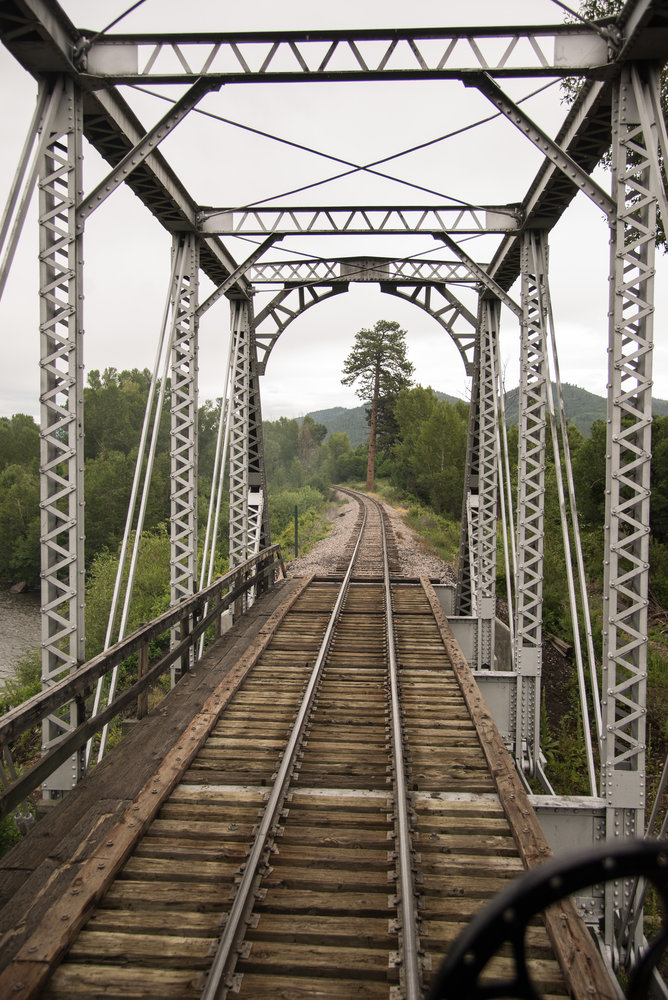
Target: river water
{"points": [[19, 627]]}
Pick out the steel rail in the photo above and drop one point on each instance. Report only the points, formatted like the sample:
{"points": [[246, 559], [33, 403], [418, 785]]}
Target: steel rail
{"points": [[244, 899], [411, 966], [409, 923]]}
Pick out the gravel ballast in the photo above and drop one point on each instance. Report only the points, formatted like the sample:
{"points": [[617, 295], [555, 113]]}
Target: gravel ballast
{"points": [[324, 557]]}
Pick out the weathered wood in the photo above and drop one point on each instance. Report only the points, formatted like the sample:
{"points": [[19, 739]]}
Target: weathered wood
{"points": [[49, 942], [576, 952]]}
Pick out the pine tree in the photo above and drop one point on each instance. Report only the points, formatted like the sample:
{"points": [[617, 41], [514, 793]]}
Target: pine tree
{"points": [[378, 362]]}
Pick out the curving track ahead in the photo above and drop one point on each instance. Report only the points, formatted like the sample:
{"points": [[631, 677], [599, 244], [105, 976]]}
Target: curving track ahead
{"points": [[333, 833]]}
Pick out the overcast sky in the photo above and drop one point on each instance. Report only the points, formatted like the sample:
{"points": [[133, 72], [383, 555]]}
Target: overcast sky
{"points": [[127, 252]]}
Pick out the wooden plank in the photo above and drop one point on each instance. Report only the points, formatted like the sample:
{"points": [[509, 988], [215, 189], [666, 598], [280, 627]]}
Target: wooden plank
{"points": [[164, 951], [94, 983], [283, 958], [327, 930], [45, 948], [254, 987], [576, 952]]}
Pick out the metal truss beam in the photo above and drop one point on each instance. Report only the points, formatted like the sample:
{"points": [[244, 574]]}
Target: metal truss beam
{"points": [[277, 315], [476, 583], [531, 499], [360, 269], [628, 468], [183, 439], [238, 415], [357, 220], [249, 510], [547, 146], [392, 53], [43, 39], [142, 149], [61, 397], [291, 302], [446, 313], [239, 272], [480, 272]]}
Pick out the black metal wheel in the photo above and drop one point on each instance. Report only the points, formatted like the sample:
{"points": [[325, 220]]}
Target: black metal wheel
{"points": [[504, 920]]}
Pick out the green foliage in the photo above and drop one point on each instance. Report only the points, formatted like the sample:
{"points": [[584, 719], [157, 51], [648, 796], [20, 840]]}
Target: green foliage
{"points": [[22, 683], [150, 596], [19, 442], [430, 454], [378, 362], [282, 506], [20, 520]]}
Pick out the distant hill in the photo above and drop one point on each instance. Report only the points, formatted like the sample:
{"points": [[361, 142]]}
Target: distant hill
{"points": [[352, 421], [582, 409]]}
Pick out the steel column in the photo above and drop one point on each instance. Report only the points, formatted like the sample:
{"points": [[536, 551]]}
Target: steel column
{"points": [[531, 498], [476, 586], [249, 512], [61, 406], [183, 440], [628, 474]]}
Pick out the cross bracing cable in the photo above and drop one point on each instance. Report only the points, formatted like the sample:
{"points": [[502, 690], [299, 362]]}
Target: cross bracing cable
{"points": [[502, 478], [540, 267], [355, 167], [164, 348], [577, 538], [213, 517]]}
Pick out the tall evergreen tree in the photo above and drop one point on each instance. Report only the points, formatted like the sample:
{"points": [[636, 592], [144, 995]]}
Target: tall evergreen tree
{"points": [[378, 362]]}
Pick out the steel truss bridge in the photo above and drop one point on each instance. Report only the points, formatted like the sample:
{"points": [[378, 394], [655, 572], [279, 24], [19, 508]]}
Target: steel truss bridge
{"points": [[619, 63]]}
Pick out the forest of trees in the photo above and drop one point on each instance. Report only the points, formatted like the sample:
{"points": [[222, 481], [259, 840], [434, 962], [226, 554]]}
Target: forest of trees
{"points": [[420, 463]]}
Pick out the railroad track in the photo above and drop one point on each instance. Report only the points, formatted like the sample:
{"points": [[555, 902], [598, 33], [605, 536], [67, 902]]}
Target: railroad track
{"points": [[332, 835]]}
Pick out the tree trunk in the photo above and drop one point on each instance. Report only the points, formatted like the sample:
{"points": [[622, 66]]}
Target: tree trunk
{"points": [[371, 463]]}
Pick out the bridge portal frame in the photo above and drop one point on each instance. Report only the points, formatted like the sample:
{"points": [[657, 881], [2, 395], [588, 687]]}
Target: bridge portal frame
{"points": [[637, 184]]}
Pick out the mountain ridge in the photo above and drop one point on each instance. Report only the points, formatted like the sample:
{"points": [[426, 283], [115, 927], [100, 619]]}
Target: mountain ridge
{"points": [[582, 409]]}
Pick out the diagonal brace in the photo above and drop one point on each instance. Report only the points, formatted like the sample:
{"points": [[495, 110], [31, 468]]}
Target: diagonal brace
{"points": [[238, 273], [144, 148], [491, 90], [480, 273]]}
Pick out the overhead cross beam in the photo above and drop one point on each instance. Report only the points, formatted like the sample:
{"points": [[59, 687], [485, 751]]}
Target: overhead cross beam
{"points": [[357, 220], [360, 269], [387, 53]]}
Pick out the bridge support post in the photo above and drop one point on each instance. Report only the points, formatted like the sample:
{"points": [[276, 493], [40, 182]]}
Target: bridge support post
{"points": [[61, 405], [183, 435], [628, 456], [249, 511], [476, 585], [531, 499]]}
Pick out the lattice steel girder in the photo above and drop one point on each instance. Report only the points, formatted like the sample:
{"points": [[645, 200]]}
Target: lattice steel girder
{"points": [[183, 438], [379, 53], [531, 496], [238, 415], [359, 219], [626, 580], [371, 269], [476, 585], [61, 398], [249, 510]]}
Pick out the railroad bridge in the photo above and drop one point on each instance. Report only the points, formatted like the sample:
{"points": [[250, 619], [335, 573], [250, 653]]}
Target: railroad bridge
{"points": [[337, 782]]}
